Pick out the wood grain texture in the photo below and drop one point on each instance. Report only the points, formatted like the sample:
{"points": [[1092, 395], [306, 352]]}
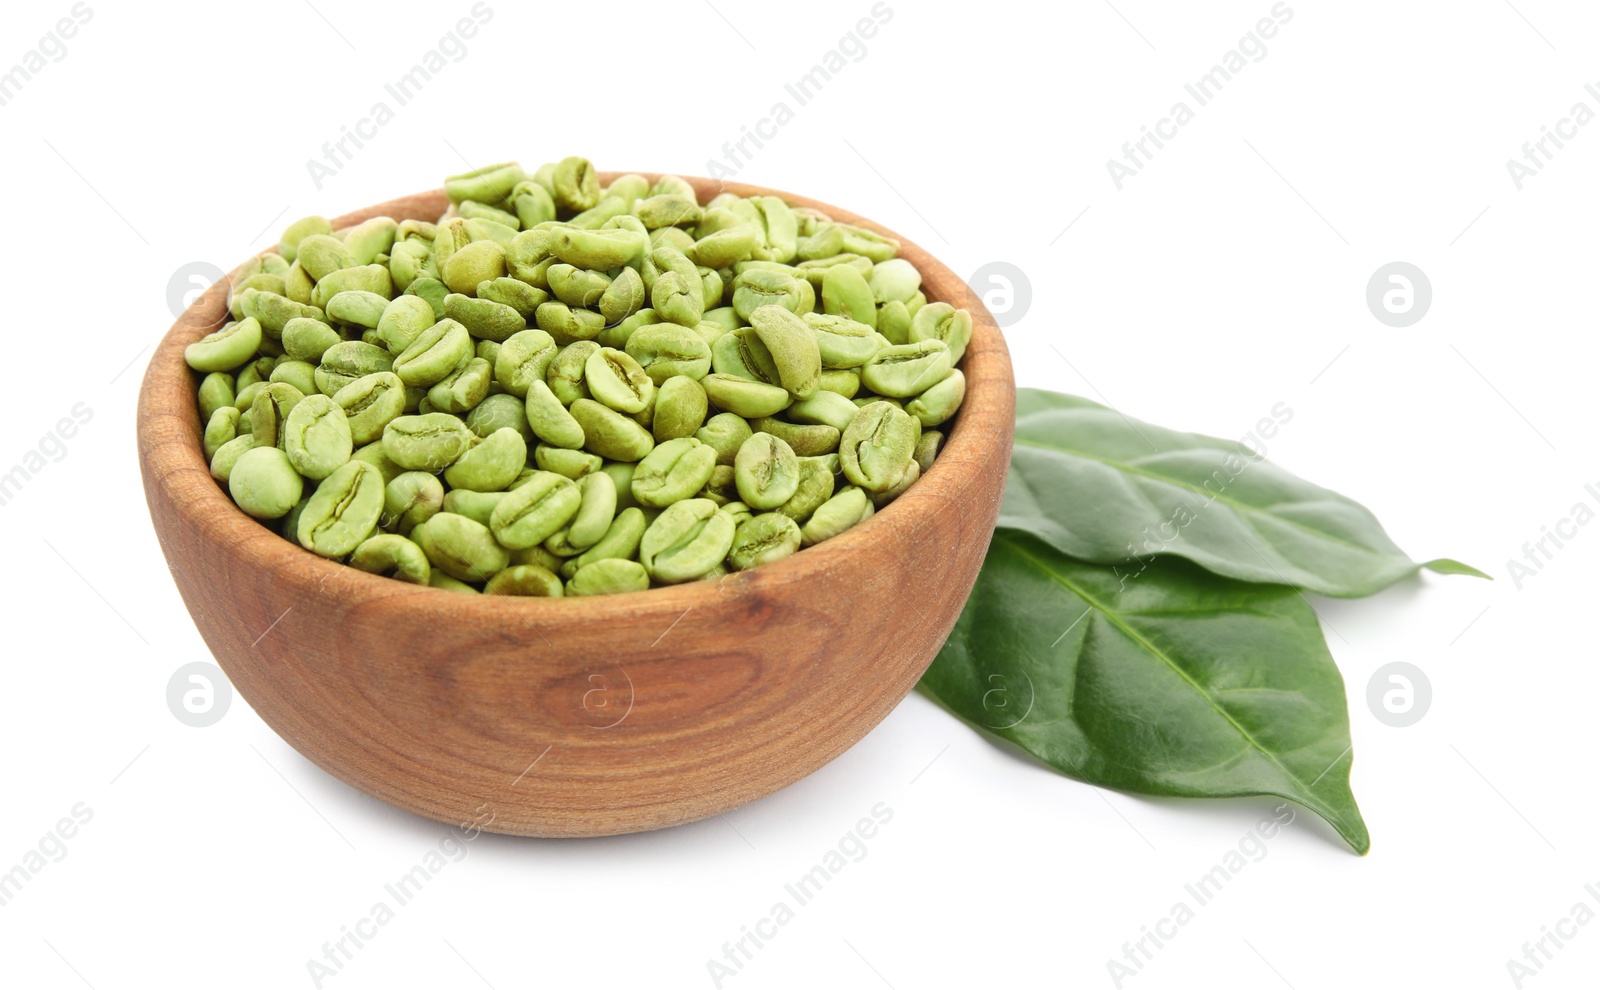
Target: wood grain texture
{"points": [[580, 717]]}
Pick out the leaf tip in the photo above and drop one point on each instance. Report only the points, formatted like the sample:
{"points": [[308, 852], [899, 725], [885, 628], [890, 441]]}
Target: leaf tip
{"points": [[1352, 828], [1444, 565]]}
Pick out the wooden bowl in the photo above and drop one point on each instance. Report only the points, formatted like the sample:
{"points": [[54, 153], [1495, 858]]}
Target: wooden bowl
{"points": [[580, 717]]}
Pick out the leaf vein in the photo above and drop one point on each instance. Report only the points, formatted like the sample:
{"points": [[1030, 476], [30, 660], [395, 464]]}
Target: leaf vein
{"points": [[1161, 655], [1243, 509]]}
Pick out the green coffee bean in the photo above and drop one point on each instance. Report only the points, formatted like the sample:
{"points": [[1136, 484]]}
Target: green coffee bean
{"points": [[484, 319], [766, 471], [608, 577], [793, 346], [524, 358], [489, 184], [299, 231], [725, 433], [430, 442], [371, 403], [878, 445], [566, 371], [273, 312], [221, 428], [894, 322], [574, 184], [846, 294], [479, 261], [743, 397], [356, 307], [940, 401], [842, 381], [781, 226], [758, 287], [844, 342], [216, 392], [444, 582], [623, 297], [566, 462], [549, 419], [943, 322], [616, 379], [371, 238], [668, 210], [317, 436], [725, 247], [409, 499], [689, 538], [678, 299], [836, 515], [815, 270], [667, 349], [226, 349], [477, 506], [907, 479], [473, 210], [617, 336], [460, 547], [577, 287], [621, 541], [262, 481], [410, 261], [301, 374], [434, 354], [928, 448], [559, 545], [491, 465], [763, 539], [741, 354], [630, 189], [824, 408], [894, 279], [904, 370], [539, 557], [227, 455], [596, 511], [253, 373], [320, 255], [596, 250], [268, 411], [261, 282], [527, 580], [348, 360], [807, 440], [532, 203], [463, 388], [680, 408], [673, 471], [392, 556], [529, 514], [343, 511], [366, 278], [815, 488], [497, 411], [610, 434], [515, 293]]}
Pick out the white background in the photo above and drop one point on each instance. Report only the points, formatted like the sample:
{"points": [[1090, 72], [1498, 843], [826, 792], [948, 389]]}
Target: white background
{"points": [[1226, 277]]}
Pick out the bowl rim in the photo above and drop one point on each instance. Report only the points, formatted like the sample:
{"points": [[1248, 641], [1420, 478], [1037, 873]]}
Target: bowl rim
{"points": [[169, 441]]}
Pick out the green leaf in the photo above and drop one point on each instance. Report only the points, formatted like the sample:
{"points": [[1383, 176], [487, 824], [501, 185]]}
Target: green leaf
{"points": [[1174, 682], [1102, 487]]}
